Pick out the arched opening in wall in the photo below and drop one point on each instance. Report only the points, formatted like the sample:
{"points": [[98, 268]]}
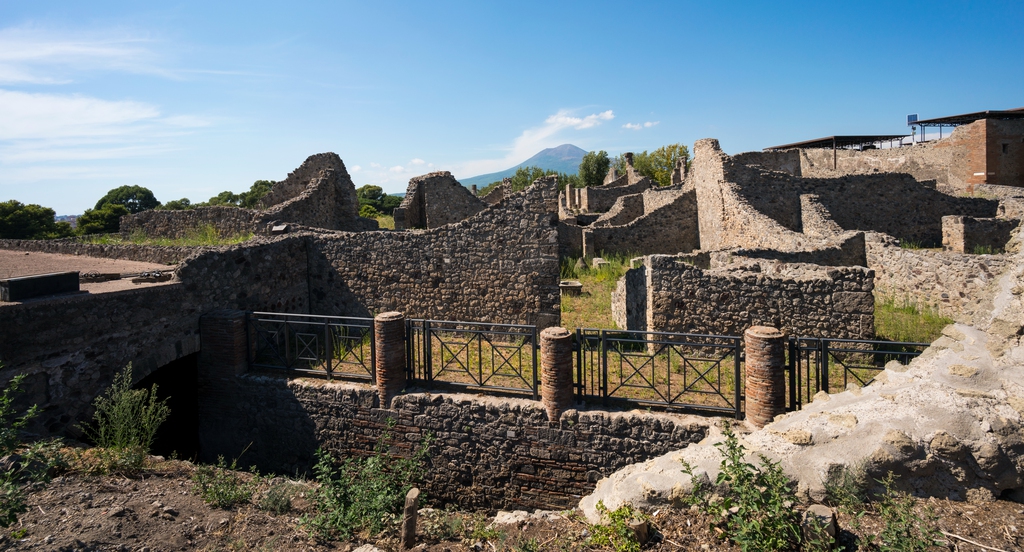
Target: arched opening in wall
{"points": [[178, 383]]}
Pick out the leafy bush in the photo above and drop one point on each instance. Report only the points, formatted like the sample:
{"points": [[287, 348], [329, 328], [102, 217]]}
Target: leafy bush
{"points": [[125, 423], [12, 490], [223, 486], [757, 510], [278, 498], [617, 533], [905, 530], [361, 494]]}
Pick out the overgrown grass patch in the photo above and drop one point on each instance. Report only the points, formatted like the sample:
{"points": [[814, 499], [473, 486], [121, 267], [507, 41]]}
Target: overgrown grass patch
{"points": [[593, 307], [204, 235], [905, 320]]}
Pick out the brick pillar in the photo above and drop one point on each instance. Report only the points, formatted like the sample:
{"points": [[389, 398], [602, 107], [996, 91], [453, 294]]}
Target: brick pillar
{"points": [[223, 355], [556, 371], [766, 374], [389, 340]]}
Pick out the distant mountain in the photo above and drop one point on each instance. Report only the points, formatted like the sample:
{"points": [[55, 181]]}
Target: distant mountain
{"points": [[565, 159]]}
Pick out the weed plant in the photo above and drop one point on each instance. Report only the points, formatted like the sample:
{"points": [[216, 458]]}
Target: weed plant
{"points": [[278, 498], [905, 530], [223, 486], [986, 250], [124, 424], [12, 485], [617, 534], [757, 509], [361, 495]]}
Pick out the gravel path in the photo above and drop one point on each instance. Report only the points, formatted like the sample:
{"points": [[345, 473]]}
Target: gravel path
{"points": [[22, 263]]}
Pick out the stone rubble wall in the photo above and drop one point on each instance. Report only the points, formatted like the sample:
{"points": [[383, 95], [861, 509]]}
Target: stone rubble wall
{"points": [[747, 206], [570, 239], [300, 179], [228, 221], [132, 252], [670, 227], [598, 199], [328, 202], [626, 209], [498, 266], [947, 281], [484, 452], [800, 299], [434, 200], [965, 234], [846, 249]]}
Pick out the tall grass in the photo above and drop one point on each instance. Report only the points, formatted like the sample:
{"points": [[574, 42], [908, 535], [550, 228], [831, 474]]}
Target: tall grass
{"points": [[592, 308], [905, 320], [204, 235]]}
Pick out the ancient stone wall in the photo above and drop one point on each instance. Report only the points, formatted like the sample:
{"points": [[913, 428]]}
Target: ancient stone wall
{"points": [[949, 282], [598, 199], [670, 227], [328, 202], [228, 221], [747, 206], [498, 266], [131, 252], [846, 249], [625, 209], [968, 234], [570, 239], [484, 452], [799, 299], [434, 200]]}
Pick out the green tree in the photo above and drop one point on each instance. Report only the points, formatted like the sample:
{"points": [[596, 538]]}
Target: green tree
{"points": [[374, 196], [106, 220], [658, 164], [226, 198], [176, 205], [251, 199], [29, 222], [370, 192], [525, 176], [593, 168], [135, 198]]}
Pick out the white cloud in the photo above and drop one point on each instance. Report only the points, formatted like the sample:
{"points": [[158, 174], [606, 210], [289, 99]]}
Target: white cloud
{"points": [[417, 161], [356, 168], [375, 165], [533, 140], [638, 126], [397, 169], [24, 115], [30, 55]]}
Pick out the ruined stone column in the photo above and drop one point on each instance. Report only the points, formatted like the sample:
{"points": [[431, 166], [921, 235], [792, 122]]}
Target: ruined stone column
{"points": [[389, 340], [556, 371], [765, 349]]}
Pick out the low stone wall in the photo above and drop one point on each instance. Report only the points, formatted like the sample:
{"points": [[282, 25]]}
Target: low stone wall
{"points": [[847, 249], [947, 281], [598, 199], [799, 299], [484, 452], [229, 221], [72, 246], [570, 239], [966, 234], [668, 228], [625, 210]]}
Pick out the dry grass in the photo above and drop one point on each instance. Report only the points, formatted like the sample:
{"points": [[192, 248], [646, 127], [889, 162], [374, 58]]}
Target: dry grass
{"points": [[205, 235], [386, 222]]}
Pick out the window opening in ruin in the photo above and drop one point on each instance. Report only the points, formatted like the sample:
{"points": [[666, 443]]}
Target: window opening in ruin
{"points": [[177, 382], [1006, 148]]}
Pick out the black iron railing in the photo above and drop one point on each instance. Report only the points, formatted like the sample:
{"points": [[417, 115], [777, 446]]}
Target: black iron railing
{"points": [[334, 346], [822, 364], [472, 355], [673, 370]]}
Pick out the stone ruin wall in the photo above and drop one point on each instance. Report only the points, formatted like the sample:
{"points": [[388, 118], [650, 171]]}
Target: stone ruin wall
{"points": [[498, 193], [965, 234], [499, 266], [434, 200], [625, 210], [598, 199], [669, 227], [161, 254], [949, 282], [799, 299], [318, 194], [486, 452], [969, 157]]}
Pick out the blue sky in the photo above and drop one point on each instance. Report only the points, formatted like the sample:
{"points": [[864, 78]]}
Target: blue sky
{"points": [[193, 98]]}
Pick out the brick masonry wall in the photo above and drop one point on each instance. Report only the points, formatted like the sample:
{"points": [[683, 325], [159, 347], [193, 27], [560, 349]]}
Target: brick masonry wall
{"points": [[798, 299], [965, 234], [485, 452], [950, 282]]}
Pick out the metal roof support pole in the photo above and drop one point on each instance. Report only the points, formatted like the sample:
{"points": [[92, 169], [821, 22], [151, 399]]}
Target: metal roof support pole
{"points": [[834, 162]]}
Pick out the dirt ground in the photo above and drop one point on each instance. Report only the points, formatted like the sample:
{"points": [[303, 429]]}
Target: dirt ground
{"points": [[23, 263], [160, 511]]}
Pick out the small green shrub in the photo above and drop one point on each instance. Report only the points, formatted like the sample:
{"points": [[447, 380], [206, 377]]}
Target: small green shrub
{"points": [[12, 480], [910, 244], [278, 498], [757, 510], [986, 250], [223, 486], [443, 525], [361, 494], [125, 423], [617, 533], [905, 530]]}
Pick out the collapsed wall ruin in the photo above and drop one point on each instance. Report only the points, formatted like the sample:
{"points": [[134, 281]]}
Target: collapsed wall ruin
{"points": [[434, 200], [318, 194]]}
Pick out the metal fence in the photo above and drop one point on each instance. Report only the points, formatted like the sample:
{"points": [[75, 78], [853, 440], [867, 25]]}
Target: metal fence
{"points": [[331, 346], [822, 364], [678, 371], [473, 356]]}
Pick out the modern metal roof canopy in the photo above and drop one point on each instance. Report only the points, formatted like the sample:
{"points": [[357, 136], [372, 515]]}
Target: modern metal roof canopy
{"points": [[834, 142], [956, 120]]}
